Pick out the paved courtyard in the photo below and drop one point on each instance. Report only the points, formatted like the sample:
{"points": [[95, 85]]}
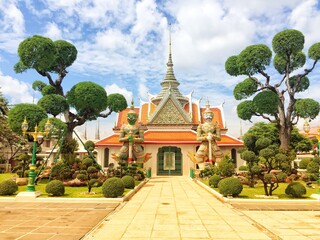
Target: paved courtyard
{"points": [[50, 220], [164, 208]]}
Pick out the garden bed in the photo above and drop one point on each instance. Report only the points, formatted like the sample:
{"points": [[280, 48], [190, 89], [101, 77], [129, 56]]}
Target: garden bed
{"points": [[72, 193], [258, 190]]}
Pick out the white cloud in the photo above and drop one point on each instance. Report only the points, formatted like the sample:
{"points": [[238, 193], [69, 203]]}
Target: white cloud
{"points": [[53, 31], [15, 91], [11, 26], [114, 88]]}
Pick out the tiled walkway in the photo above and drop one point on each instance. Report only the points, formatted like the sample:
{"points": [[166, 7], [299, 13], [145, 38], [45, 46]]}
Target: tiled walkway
{"points": [[46, 220], [177, 208]]}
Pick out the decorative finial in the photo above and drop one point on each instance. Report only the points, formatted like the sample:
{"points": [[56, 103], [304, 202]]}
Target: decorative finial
{"points": [[207, 104], [132, 105]]}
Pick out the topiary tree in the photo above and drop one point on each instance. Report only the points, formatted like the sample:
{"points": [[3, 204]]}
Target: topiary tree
{"points": [[113, 187], [52, 58], [275, 101], [230, 186], [214, 180], [296, 190], [8, 187], [55, 188], [128, 182]]}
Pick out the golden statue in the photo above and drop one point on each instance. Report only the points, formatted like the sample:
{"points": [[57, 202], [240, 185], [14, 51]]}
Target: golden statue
{"points": [[208, 133], [132, 136]]}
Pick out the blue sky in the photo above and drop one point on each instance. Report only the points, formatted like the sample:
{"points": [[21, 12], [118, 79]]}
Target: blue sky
{"points": [[123, 45]]}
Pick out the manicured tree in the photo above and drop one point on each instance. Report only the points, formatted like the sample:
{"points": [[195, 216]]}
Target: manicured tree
{"points": [[275, 100], [51, 58], [10, 141]]}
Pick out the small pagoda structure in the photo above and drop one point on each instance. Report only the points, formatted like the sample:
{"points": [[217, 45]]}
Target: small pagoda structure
{"points": [[170, 120]]}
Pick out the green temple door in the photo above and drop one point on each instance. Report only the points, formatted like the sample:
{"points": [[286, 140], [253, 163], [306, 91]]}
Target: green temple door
{"points": [[169, 161]]}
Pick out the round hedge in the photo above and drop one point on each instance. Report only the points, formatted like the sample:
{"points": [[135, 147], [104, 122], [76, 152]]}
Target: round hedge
{"points": [[8, 187], [113, 187], [128, 181], [55, 188], [230, 186], [214, 180], [304, 163], [295, 190]]}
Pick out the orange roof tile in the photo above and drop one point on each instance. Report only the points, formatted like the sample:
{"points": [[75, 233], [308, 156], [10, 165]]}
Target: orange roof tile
{"points": [[173, 137], [112, 140], [151, 136]]}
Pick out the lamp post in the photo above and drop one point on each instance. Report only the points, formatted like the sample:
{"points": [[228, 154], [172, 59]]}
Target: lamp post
{"points": [[306, 129], [35, 135]]}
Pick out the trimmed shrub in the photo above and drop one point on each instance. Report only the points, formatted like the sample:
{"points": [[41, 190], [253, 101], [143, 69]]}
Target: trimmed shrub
{"points": [[55, 188], [214, 180], [313, 167], [304, 163], [113, 187], [92, 170], [230, 186], [87, 161], [243, 168], [281, 176], [295, 190], [8, 187], [128, 181], [82, 177]]}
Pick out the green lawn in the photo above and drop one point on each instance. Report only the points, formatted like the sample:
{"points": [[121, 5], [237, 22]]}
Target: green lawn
{"points": [[70, 192], [250, 193]]}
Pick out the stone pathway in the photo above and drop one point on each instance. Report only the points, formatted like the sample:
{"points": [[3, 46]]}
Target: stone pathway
{"points": [[46, 220], [177, 208]]}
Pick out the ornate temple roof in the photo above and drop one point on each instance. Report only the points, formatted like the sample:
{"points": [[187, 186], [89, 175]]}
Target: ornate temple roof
{"points": [[170, 137], [170, 83]]}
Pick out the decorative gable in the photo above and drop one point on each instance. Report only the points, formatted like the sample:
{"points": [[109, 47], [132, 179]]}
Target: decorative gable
{"points": [[169, 111]]}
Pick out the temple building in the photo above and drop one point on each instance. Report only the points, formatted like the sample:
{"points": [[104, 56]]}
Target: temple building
{"points": [[170, 120]]}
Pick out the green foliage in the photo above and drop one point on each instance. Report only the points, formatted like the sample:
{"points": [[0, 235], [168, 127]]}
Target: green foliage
{"points": [[116, 102], [230, 186], [88, 98], [53, 104], [55, 188], [307, 108], [61, 171], [36, 52], [296, 190], [113, 187], [245, 89], [246, 110], [275, 101], [253, 59], [208, 172], [87, 161], [82, 177], [69, 147], [231, 66], [38, 85], [299, 83], [92, 170], [19, 112], [8, 187], [58, 129], [282, 176], [287, 42], [266, 102], [128, 181], [243, 168], [313, 167], [47, 90], [23, 160], [225, 167], [65, 55], [89, 145], [214, 180], [314, 51], [304, 163]]}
